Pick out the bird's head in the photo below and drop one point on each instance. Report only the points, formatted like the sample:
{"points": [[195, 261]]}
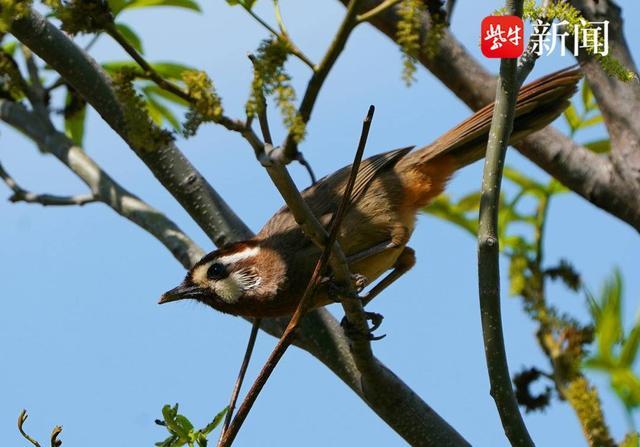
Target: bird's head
{"points": [[221, 279]]}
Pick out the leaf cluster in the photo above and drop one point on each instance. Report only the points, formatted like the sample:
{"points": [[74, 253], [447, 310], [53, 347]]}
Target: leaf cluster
{"points": [[181, 430], [271, 79], [616, 349]]}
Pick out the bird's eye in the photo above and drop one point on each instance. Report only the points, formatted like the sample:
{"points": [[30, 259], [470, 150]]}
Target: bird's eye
{"points": [[217, 271]]}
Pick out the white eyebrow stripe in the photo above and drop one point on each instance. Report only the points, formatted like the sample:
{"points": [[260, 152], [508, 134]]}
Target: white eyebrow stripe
{"points": [[235, 257]]}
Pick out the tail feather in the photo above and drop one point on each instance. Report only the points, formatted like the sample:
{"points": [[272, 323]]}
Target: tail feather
{"points": [[538, 104]]}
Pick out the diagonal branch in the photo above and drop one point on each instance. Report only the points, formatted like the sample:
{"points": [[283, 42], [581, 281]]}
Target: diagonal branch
{"points": [[103, 188], [165, 161], [330, 248]]}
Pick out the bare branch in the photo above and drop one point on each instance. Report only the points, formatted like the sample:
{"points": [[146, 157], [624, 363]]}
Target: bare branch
{"points": [[243, 370], [103, 187], [22, 418], [22, 195]]}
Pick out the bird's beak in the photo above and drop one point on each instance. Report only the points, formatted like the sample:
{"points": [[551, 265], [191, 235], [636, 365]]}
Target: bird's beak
{"points": [[183, 291]]}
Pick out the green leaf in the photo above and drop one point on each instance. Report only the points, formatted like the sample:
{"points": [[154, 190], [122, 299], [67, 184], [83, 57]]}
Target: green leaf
{"points": [[631, 440], [590, 122], [248, 4], [185, 4], [183, 427], [169, 413], [157, 91], [75, 118], [470, 202], [10, 47], [443, 208], [159, 112], [555, 187], [130, 36], [169, 70], [608, 326], [588, 101], [526, 183], [215, 422], [627, 386], [629, 350], [573, 120], [599, 146]]}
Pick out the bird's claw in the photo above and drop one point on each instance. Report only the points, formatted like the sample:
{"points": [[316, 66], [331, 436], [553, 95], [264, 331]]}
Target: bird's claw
{"points": [[335, 290], [352, 332]]}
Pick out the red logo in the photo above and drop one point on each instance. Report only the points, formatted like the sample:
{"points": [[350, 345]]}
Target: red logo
{"points": [[502, 36]]}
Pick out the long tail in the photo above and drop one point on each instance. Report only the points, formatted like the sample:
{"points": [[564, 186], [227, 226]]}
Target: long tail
{"points": [[426, 171], [538, 104]]}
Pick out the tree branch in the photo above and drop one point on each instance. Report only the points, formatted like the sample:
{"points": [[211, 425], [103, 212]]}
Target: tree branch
{"points": [[103, 187], [166, 162], [489, 251], [584, 172], [22, 195]]}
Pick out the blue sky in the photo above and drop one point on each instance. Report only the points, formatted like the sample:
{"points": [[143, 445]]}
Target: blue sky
{"points": [[85, 345]]}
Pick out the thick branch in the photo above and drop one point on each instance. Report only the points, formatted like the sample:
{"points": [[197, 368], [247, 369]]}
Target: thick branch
{"points": [[587, 174], [166, 162], [102, 186], [619, 101]]}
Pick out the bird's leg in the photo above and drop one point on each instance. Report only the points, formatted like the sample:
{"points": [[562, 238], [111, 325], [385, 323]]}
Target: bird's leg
{"points": [[403, 264]]}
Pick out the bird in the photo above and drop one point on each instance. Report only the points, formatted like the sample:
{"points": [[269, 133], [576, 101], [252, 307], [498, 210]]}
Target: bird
{"points": [[266, 275]]}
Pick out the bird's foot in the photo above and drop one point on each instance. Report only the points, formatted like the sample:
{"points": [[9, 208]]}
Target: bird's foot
{"points": [[353, 333], [335, 290]]}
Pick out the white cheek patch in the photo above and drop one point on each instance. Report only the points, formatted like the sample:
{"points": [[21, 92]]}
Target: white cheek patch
{"points": [[241, 255]]}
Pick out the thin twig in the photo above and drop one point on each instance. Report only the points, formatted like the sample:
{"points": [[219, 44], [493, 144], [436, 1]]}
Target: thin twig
{"points": [[22, 195], [349, 22], [293, 48], [305, 302], [488, 250], [376, 10], [241, 374], [146, 67], [21, 420]]}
